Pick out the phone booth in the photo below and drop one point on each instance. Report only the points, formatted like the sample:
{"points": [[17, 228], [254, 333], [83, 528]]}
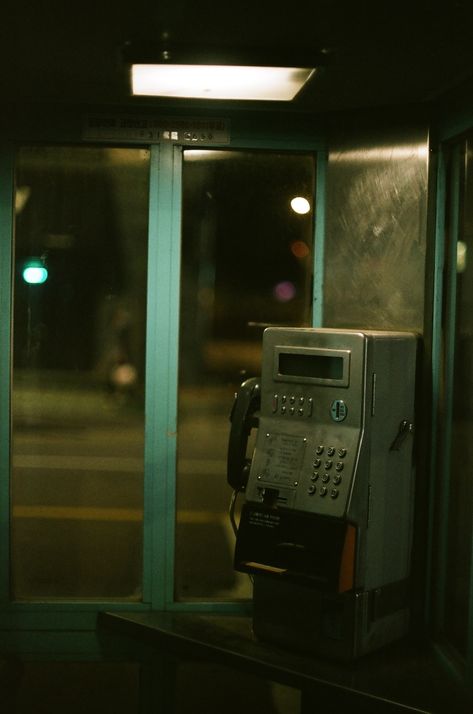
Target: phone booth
{"points": [[325, 529]]}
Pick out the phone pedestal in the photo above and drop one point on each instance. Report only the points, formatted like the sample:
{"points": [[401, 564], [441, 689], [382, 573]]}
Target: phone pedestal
{"points": [[339, 627]]}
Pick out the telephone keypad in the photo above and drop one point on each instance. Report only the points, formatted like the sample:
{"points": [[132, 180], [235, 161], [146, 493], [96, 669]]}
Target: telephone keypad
{"points": [[331, 477]]}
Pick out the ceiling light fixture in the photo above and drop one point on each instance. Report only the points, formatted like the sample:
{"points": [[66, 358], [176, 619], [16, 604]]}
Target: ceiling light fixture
{"points": [[179, 73], [218, 81]]}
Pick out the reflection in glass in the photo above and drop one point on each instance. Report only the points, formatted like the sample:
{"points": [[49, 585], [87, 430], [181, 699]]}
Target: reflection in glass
{"points": [[78, 377], [247, 261], [459, 551]]}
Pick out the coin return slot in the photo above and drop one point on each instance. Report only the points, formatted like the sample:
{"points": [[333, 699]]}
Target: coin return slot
{"points": [[271, 497]]}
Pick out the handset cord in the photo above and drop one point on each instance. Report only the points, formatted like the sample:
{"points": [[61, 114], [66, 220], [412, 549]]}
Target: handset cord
{"points": [[231, 511]]}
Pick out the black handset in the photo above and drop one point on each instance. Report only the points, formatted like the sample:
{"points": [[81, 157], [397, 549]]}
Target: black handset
{"points": [[243, 419]]}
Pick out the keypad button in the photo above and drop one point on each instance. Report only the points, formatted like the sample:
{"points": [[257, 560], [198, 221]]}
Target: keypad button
{"points": [[334, 493], [292, 399], [337, 479], [317, 463], [301, 400], [315, 476], [328, 465], [283, 410], [309, 406], [339, 465], [325, 478], [311, 490], [292, 411], [323, 490], [320, 449], [342, 453], [283, 399], [331, 450], [300, 412]]}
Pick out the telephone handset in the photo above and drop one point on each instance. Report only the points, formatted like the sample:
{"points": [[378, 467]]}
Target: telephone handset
{"points": [[243, 419]]}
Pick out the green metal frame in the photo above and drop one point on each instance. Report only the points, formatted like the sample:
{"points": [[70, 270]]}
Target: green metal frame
{"points": [[6, 262], [438, 268], [19, 621], [447, 253], [444, 314], [319, 240]]}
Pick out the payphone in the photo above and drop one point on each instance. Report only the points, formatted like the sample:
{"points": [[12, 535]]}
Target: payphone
{"points": [[325, 527]]}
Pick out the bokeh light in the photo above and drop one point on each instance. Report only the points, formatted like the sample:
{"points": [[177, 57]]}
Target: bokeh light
{"points": [[300, 205], [300, 249], [284, 291], [34, 273]]}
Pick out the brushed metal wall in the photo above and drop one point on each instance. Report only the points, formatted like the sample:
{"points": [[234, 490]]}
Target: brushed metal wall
{"points": [[376, 229]]}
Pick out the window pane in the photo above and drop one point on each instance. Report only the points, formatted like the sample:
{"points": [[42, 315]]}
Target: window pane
{"points": [[78, 391], [461, 464], [247, 260]]}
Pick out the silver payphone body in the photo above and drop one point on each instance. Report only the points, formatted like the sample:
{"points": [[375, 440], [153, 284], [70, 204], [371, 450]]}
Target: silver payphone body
{"points": [[325, 528]]}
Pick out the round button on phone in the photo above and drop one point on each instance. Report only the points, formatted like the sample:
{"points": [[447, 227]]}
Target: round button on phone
{"points": [[334, 493], [317, 463], [323, 491], [326, 478], [315, 476], [337, 479], [311, 490], [331, 451], [319, 450], [342, 453]]}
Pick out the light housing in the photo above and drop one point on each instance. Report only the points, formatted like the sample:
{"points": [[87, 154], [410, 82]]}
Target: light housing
{"points": [[280, 84], [187, 73]]}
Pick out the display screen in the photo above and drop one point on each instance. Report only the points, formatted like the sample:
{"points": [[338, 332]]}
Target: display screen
{"points": [[315, 366]]}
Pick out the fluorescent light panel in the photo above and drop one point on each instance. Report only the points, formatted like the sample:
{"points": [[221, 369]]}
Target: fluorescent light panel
{"points": [[189, 81]]}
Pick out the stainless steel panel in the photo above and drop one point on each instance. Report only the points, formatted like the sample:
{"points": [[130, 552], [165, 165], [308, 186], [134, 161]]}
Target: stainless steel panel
{"points": [[376, 229]]}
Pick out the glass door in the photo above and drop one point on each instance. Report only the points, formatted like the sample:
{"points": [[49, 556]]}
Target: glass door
{"points": [[78, 382], [142, 282], [247, 262]]}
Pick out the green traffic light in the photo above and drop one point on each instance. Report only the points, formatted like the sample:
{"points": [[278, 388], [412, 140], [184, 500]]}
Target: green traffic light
{"points": [[34, 272]]}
